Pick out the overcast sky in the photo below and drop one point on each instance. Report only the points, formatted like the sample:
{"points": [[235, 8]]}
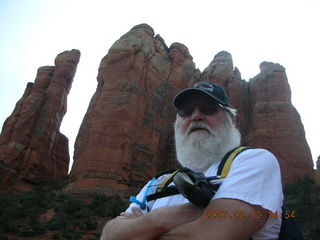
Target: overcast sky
{"points": [[33, 32]]}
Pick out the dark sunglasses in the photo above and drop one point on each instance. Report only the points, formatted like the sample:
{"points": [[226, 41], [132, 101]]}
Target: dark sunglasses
{"points": [[209, 110]]}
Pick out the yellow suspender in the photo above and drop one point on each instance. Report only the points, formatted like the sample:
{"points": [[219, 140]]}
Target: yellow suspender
{"points": [[227, 165], [167, 180], [224, 172]]}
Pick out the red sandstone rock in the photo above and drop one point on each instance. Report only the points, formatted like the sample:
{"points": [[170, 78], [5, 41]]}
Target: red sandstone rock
{"points": [[31, 146], [126, 135], [222, 72], [266, 117], [127, 129], [276, 125]]}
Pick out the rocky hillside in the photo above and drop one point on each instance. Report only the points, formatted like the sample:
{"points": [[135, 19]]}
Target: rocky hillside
{"points": [[126, 134]]}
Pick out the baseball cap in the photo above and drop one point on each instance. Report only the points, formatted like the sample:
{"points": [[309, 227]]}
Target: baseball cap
{"points": [[208, 88]]}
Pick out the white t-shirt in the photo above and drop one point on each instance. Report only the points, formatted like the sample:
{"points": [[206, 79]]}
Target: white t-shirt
{"points": [[254, 177]]}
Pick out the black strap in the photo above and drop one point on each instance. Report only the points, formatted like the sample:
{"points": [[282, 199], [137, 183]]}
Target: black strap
{"points": [[223, 161], [289, 227], [164, 172], [169, 191]]}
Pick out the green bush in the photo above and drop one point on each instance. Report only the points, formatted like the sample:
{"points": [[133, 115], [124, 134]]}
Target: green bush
{"points": [[59, 221], [303, 197], [20, 214], [71, 206], [9, 215], [115, 206]]}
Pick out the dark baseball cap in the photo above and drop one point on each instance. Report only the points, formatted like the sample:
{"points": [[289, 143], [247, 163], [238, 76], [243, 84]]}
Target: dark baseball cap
{"points": [[208, 88]]}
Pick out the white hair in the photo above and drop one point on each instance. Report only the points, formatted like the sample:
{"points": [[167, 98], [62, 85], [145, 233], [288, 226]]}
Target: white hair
{"points": [[200, 149], [232, 111]]}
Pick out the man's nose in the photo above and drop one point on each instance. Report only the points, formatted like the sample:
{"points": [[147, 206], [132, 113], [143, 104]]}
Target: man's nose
{"points": [[197, 115]]}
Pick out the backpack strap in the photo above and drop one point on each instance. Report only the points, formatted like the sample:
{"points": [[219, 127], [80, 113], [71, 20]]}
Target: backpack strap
{"points": [[225, 164], [167, 181], [169, 191], [164, 172], [163, 190], [289, 227]]}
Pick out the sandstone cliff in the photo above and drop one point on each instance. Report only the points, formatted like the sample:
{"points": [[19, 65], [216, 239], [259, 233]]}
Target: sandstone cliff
{"points": [[266, 117], [126, 134], [31, 146], [276, 125]]}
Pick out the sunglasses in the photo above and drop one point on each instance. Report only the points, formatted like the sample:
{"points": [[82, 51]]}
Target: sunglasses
{"points": [[209, 110]]}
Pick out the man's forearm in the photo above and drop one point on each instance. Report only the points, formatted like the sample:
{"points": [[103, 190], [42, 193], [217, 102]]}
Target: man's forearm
{"points": [[151, 225], [226, 227], [123, 228]]}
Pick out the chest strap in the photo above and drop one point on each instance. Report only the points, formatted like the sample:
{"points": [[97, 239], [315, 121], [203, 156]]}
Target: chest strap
{"points": [[223, 169], [225, 164]]}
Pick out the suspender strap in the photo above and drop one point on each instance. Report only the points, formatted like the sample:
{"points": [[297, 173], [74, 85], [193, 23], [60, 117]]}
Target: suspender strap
{"points": [[165, 172], [164, 190], [225, 164], [169, 191], [167, 181]]}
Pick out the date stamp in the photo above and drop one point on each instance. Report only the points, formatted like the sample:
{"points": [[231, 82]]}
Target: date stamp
{"points": [[241, 214]]}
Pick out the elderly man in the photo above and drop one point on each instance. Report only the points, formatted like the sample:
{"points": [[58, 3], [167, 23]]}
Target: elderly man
{"points": [[246, 203]]}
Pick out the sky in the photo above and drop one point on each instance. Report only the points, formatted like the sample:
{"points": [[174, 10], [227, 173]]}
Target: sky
{"points": [[287, 32]]}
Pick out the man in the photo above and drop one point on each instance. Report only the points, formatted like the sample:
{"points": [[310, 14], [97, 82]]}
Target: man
{"points": [[248, 200]]}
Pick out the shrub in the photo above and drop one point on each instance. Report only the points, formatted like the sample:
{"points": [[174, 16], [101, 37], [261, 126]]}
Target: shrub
{"points": [[104, 206], [20, 214], [303, 197]]}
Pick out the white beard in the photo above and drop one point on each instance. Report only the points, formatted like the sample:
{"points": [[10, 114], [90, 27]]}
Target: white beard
{"points": [[199, 149]]}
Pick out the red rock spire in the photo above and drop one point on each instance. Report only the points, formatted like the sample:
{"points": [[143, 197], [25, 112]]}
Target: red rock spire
{"points": [[266, 116], [125, 137], [31, 146]]}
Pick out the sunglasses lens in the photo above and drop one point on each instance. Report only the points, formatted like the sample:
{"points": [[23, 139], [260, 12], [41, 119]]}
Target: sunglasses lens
{"points": [[209, 110], [187, 111]]}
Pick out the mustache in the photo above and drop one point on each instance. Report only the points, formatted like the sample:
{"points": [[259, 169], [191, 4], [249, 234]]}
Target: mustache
{"points": [[198, 126]]}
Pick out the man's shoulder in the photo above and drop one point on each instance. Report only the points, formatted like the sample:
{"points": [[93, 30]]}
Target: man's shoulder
{"points": [[251, 151], [259, 155], [257, 162]]}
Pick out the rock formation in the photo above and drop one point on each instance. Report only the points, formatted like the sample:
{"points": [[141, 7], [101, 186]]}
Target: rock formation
{"points": [[221, 71], [276, 125], [266, 116], [125, 137], [31, 146]]}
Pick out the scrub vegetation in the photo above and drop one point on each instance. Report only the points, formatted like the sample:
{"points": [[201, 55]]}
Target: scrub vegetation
{"points": [[20, 216], [72, 218], [303, 197]]}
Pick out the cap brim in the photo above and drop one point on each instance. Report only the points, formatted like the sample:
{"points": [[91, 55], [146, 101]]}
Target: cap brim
{"points": [[188, 92]]}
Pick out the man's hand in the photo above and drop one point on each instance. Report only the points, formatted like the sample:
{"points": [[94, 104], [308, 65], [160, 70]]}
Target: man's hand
{"points": [[136, 212], [149, 226]]}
